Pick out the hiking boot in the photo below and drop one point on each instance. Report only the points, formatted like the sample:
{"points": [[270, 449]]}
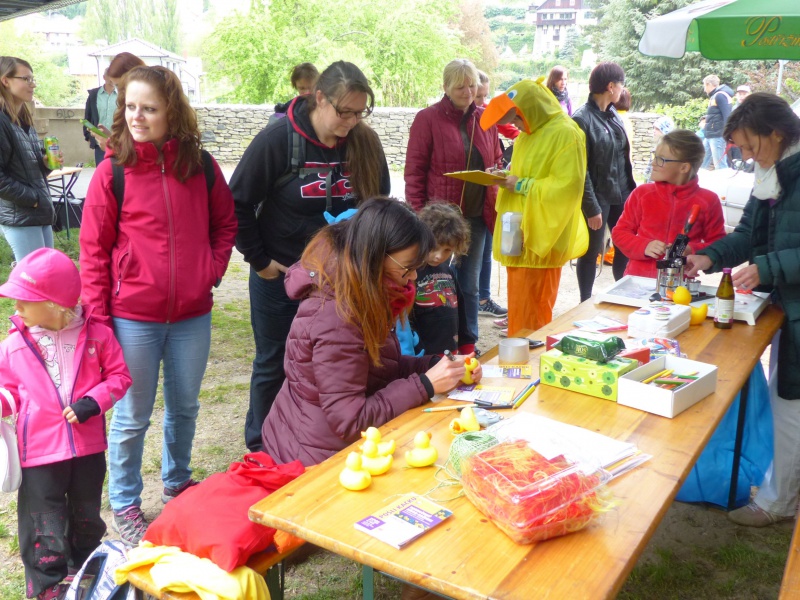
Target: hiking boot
{"points": [[490, 307], [130, 524], [753, 515], [57, 592], [500, 323], [170, 493]]}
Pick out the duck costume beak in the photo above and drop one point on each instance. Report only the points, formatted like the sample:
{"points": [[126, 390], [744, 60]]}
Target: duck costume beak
{"points": [[498, 108]]}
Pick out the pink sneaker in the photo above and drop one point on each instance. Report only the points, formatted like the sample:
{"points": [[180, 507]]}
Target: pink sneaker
{"points": [[501, 323]]}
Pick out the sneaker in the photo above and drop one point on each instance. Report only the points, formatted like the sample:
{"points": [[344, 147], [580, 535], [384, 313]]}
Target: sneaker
{"points": [[753, 515], [500, 323], [170, 493], [57, 592], [490, 307], [504, 332], [130, 524]]}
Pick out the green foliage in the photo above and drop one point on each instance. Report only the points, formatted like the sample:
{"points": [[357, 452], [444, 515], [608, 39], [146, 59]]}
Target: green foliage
{"points": [[73, 10], [685, 116], [55, 87], [402, 47], [155, 21], [504, 11], [569, 51], [652, 80]]}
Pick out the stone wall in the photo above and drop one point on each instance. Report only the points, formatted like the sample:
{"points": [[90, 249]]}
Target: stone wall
{"points": [[229, 129]]}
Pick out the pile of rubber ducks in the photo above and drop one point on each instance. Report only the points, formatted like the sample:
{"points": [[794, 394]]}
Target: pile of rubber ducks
{"points": [[376, 458]]}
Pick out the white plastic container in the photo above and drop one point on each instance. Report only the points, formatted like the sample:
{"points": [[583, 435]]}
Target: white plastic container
{"points": [[511, 239], [665, 320]]}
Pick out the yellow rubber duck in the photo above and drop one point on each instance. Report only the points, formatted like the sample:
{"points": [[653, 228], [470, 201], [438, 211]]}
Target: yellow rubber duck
{"points": [[374, 462], [386, 448], [423, 454], [466, 422], [354, 476], [470, 364], [698, 314]]}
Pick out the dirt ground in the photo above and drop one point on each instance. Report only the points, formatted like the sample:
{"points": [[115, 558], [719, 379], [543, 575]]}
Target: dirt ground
{"points": [[219, 436]]}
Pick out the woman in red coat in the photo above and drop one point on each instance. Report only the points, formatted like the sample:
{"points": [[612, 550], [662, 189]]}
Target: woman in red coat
{"points": [[344, 369], [447, 137]]}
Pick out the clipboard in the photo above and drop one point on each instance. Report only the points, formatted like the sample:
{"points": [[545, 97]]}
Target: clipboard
{"points": [[479, 177]]}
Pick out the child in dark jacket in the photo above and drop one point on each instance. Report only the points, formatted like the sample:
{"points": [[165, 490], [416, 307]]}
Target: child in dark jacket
{"points": [[62, 370], [438, 315]]}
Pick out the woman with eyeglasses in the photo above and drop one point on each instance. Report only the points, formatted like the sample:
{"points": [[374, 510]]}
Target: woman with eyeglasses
{"points": [[344, 368], [319, 162], [609, 173], [766, 242], [26, 210], [444, 138], [656, 212]]}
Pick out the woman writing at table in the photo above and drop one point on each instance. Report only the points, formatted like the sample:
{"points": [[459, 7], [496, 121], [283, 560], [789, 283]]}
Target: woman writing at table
{"points": [[26, 210], [344, 369], [768, 236]]}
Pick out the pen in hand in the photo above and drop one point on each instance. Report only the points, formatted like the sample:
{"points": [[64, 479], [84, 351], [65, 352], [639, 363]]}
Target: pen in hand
{"points": [[449, 355]]}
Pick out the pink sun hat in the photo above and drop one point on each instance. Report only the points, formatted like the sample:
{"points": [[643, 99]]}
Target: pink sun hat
{"points": [[44, 274]]}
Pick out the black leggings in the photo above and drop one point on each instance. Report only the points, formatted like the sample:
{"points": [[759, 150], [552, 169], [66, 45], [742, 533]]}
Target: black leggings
{"points": [[58, 511], [587, 264]]}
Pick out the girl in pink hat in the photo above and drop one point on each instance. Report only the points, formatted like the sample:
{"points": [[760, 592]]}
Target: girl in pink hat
{"points": [[62, 370]]}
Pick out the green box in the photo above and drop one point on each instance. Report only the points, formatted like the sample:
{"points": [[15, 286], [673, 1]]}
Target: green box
{"points": [[584, 375]]}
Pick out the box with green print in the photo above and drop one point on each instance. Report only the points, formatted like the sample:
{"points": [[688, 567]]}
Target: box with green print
{"points": [[583, 375]]}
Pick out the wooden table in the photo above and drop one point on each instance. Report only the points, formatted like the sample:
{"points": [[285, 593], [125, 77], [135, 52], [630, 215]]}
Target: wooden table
{"points": [[61, 188], [467, 557]]}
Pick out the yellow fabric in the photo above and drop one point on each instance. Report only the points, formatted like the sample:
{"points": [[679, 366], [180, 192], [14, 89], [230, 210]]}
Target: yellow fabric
{"points": [[178, 571], [554, 156]]}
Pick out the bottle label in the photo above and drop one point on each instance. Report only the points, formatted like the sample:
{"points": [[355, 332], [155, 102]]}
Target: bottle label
{"points": [[723, 311]]}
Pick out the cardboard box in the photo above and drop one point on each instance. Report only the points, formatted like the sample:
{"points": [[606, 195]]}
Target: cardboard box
{"points": [[643, 323], [662, 401], [583, 375]]}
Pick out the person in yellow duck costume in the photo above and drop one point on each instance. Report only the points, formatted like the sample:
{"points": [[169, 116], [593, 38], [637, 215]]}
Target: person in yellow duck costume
{"points": [[545, 185]]}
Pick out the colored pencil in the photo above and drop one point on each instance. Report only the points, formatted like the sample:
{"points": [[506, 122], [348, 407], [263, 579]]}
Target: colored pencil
{"points": [[658, 375], [529, 389], [454, 407]]}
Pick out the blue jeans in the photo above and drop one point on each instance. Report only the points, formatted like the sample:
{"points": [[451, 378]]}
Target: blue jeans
{"points": [[271, 315], [718, 152], [183, 347], [485, 281], [707, 156], [468, 272], [24, 240]]}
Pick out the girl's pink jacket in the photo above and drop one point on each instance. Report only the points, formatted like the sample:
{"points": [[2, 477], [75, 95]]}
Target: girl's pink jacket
{"points": [[658, 211], [99, 371]]}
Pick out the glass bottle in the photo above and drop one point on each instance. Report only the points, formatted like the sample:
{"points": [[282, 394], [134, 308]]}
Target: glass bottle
{"points": [[723, 310]]}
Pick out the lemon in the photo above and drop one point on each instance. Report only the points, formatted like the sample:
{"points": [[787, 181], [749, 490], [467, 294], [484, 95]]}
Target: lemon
{"points": [[699, 314], [681, 296]]}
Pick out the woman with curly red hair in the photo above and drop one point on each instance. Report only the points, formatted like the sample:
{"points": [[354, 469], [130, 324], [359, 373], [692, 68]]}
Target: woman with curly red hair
{"points": [[149, 260]]}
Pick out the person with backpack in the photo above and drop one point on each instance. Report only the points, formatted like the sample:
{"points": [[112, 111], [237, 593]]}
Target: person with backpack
{"points": [[322, 158], [62, 369], [158, 232], [26, 210]]}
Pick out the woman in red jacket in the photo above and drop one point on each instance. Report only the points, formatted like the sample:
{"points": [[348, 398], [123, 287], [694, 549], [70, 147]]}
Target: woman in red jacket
{"points": [[148, 263], [447, 137], [344, 369]]}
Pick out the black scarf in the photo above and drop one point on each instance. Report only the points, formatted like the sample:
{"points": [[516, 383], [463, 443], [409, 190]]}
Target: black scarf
{"points": [[560, 96]]}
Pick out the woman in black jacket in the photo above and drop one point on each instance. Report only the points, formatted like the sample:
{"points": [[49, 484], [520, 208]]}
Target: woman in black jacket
{"points": [[26, 210], [609, 174]]}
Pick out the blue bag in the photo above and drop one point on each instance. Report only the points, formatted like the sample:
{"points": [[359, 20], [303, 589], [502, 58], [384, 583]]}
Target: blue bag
{"points": [[710, 479]]}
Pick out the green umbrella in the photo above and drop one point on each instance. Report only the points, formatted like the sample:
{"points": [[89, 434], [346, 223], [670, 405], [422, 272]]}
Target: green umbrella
{"points": [[727, 30]]}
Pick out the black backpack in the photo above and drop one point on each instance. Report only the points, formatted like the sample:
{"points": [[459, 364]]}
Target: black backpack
{"points": [[118, 180]]}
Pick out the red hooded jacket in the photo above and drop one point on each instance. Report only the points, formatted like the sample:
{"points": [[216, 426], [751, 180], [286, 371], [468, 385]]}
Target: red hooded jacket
{"points": [[435, 147], [172, 244], [658, 211]]}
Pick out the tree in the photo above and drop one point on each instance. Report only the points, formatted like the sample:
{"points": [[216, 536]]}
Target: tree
{"points": [[655, 80], [568, 52], [54, 87], [402, 47], [155, 21]]}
